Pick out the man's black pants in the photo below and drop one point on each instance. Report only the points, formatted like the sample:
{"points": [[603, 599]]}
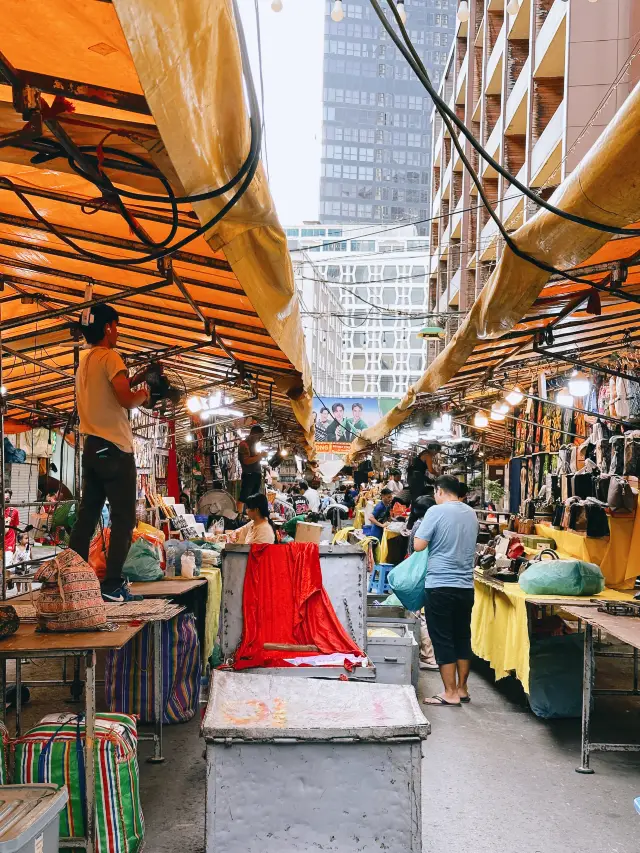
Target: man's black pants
{"points": [[107, 472], [448, 613]]}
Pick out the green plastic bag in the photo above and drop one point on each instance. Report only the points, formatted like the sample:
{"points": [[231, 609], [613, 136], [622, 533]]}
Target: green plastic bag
{"points": [[142, 563], [407, 580], [562, 577]]}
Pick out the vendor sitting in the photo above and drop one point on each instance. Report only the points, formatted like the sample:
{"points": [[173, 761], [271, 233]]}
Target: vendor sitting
{"points": [[379, 516], [259, 530]]}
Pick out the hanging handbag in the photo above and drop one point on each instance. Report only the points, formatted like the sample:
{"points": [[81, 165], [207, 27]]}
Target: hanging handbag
{"points": [[632, 454], [597, 521], [617, 455], [620, 495]]}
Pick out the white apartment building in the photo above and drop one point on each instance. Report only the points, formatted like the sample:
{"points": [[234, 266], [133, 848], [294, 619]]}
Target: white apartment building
{"points": [[320, 313], [528, 85], [378, 282]]}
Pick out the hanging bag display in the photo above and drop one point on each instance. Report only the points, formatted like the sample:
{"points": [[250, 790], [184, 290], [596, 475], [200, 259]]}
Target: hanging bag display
{"points": [[617, 455], [620, 495]]}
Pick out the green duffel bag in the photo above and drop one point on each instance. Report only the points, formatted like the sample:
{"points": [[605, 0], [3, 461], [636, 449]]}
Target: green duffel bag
{"points": [[562, 577]]}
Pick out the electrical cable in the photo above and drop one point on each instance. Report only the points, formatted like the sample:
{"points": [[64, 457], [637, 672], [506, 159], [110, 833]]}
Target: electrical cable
{"points": [[248, 170], [417, 66], [420, 71]]}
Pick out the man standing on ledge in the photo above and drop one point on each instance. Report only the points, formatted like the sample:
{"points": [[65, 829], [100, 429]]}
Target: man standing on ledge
{"points": [[250, 458], [449, 530], [103, 393]]}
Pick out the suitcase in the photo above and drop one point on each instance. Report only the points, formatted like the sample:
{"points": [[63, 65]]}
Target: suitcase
{"points": [[129, 684], [53, 751]]}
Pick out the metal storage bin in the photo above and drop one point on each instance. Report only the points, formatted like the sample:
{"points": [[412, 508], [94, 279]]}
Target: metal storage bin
{"points": [[344, 578], [29, 820], [305, 765], [396, 659]]}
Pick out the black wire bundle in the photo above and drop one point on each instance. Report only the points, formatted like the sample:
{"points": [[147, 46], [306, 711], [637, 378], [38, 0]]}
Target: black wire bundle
{"points": [[450, 119], [85, 162]]}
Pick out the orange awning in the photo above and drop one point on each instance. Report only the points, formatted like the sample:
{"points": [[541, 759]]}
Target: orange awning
{"points": [[225, 312]]}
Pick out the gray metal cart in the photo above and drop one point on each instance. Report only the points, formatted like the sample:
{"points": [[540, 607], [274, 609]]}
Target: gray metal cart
{"points": [[307, 765]]}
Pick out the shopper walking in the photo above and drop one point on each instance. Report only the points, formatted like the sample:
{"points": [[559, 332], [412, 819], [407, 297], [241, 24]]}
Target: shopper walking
{"points": [[449, 530], [104, 394], [312, 496]]}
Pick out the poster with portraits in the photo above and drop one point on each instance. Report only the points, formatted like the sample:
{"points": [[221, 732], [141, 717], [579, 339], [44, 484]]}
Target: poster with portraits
{"points": [[339, 420]]}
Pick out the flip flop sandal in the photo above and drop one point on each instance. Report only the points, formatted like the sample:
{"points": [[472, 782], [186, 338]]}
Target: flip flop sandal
{"points": [[440, 701], [465, 700]]}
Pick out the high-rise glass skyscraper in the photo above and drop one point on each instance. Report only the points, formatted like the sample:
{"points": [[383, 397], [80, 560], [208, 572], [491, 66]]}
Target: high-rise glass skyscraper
{"points": [[376, 144]]}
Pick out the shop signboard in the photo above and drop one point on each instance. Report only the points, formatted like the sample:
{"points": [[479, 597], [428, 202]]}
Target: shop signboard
{"points": [[339, 420]]}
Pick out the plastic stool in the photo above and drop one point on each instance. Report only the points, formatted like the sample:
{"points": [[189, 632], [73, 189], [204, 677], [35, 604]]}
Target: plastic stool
{"points": [[380, 586]]}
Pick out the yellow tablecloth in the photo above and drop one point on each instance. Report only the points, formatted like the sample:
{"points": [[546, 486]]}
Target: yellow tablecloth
{"points": [[358, 521], [618, 555], [383, 548], [500, 629], [214, 599]]}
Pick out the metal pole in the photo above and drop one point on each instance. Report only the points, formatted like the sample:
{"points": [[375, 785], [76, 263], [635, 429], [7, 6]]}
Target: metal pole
{"points": [[158, 703], [89, 747], [18, 697], [3, 588], [76, 430], [587, 691]]}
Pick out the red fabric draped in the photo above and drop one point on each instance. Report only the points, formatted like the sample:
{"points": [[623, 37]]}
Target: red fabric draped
{"points": [[284, 602]]}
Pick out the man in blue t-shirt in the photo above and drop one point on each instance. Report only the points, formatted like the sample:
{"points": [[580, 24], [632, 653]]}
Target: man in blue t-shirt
{"points": [[450, 531], [380, 515]]}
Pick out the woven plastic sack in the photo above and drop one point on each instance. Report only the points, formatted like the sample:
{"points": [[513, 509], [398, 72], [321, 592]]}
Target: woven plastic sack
{"points": [[142, 563], [129, 686], [562, 577], [53, 752], [70, 598], [4, 754], [407, 580]]}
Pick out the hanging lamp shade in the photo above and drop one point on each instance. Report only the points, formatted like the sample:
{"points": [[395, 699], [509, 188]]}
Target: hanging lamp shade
{"points": [[431, 332]]}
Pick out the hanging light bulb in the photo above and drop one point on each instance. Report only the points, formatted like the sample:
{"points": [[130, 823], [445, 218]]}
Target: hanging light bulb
{"points": [[579, 384], [503, 408], [514, 396], [337, 13], [564, 398], [194, 404], [3, 390], [481, 420], [463, 11], [512, 7], [402, 11], [284, 452], [446, 422], [276, 5], [188, 437], [496, 415]]}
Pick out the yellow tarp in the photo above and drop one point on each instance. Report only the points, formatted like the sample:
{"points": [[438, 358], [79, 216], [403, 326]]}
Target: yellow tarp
{"points": [[618, 555], [500, 628], [214, 598], [605, 187], [188, 60]]}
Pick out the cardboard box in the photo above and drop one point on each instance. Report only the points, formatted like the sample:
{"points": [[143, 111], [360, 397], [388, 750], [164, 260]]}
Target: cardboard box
{"points": [[307, 531]]}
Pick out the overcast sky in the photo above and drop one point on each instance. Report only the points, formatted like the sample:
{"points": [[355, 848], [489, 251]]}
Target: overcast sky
{"points": [[292, 48]]}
